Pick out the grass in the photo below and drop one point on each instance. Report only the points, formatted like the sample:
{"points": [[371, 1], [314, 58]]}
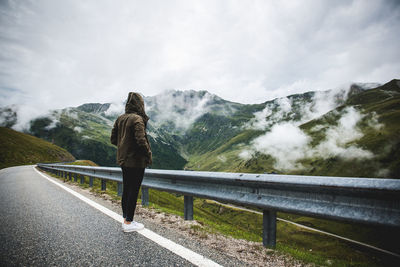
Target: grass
{"points": [[305, 245], [22, 149], [83, 163], [302, 244]]}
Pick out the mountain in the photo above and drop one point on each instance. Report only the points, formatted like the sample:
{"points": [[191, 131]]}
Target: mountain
{"points": [[359, 136], [18, 149], [351, 131]]}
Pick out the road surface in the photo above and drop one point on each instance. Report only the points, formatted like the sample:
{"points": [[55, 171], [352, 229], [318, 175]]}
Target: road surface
{"points": [[42, 224]]}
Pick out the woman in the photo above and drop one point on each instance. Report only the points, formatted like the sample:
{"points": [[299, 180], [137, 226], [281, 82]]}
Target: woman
{"points": [[133, 155]]}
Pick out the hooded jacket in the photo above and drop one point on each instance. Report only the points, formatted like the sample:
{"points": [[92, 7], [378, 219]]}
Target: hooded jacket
{"points": [[129, 135]]}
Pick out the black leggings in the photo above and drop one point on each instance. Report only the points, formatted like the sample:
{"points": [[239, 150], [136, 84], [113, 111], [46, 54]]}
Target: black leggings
{"points": [[132, 179]]}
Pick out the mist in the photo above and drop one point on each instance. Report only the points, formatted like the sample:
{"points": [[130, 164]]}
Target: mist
{"points": [[178, 110], [287, 143]]}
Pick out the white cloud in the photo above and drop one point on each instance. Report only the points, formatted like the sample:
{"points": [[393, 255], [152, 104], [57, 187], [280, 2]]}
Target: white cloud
{"points": [[374, 122], [78, 129], [53, 124], [338, 137], [25, 114], [182, 108], [246, 154], [71, 113], [116, 108], [288, 144], [273, 113], [282, 108]]}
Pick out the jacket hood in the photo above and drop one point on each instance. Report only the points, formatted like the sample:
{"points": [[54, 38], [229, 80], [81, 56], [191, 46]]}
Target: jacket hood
{"points": [[135, 104]]}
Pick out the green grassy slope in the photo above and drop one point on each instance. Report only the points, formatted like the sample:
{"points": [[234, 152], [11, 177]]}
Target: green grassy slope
{"points": [[87, 135], [20, 149], [83, 135], [378, 106], [384, 142]]}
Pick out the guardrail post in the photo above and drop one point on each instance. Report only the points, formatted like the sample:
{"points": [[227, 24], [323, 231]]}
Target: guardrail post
{"points": [[269, 228], [82, 179], [70, 176], [76, 178], [103, 185], [188, 207], [91, 181], [145, 196], [119, 189]]}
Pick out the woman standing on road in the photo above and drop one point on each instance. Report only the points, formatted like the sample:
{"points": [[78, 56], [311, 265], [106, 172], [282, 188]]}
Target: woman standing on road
{"points": [[133, 155]]}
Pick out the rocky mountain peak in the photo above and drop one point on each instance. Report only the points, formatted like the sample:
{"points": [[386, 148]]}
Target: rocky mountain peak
{"points": [[94, 107]]}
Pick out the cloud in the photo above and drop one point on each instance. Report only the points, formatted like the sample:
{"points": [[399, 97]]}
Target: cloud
{"points": [[274, 111], [374, 123], [288, 144], [179, 108], [298, 110], [116, 108], [55, 54], [78, 129], [71, 113], [338, 137]]}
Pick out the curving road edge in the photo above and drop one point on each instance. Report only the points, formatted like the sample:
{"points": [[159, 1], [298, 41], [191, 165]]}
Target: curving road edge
{"points": [[179, 250]]}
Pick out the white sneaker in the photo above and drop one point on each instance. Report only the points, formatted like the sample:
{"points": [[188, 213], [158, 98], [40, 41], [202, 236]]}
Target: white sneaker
{"points": [[133, 226]]}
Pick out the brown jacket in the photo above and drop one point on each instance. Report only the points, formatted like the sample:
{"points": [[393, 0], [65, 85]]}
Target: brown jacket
{"points": [[129, 135]]}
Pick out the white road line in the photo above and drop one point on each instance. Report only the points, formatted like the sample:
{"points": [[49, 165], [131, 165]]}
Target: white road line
{"points": [[313, 229], [179, 250]]}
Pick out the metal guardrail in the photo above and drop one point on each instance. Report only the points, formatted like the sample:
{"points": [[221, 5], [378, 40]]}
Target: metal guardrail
{"points": [[365, 200]]}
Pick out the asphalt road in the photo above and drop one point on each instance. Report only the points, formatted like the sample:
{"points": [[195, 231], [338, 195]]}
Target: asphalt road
{"points": [[41, 224]]}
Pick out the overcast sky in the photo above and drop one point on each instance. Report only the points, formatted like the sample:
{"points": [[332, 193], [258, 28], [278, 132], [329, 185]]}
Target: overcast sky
{"points": [[55, 54]]}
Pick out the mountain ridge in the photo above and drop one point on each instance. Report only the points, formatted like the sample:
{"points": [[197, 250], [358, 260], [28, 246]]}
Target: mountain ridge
{"points": [[201, 131]]}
